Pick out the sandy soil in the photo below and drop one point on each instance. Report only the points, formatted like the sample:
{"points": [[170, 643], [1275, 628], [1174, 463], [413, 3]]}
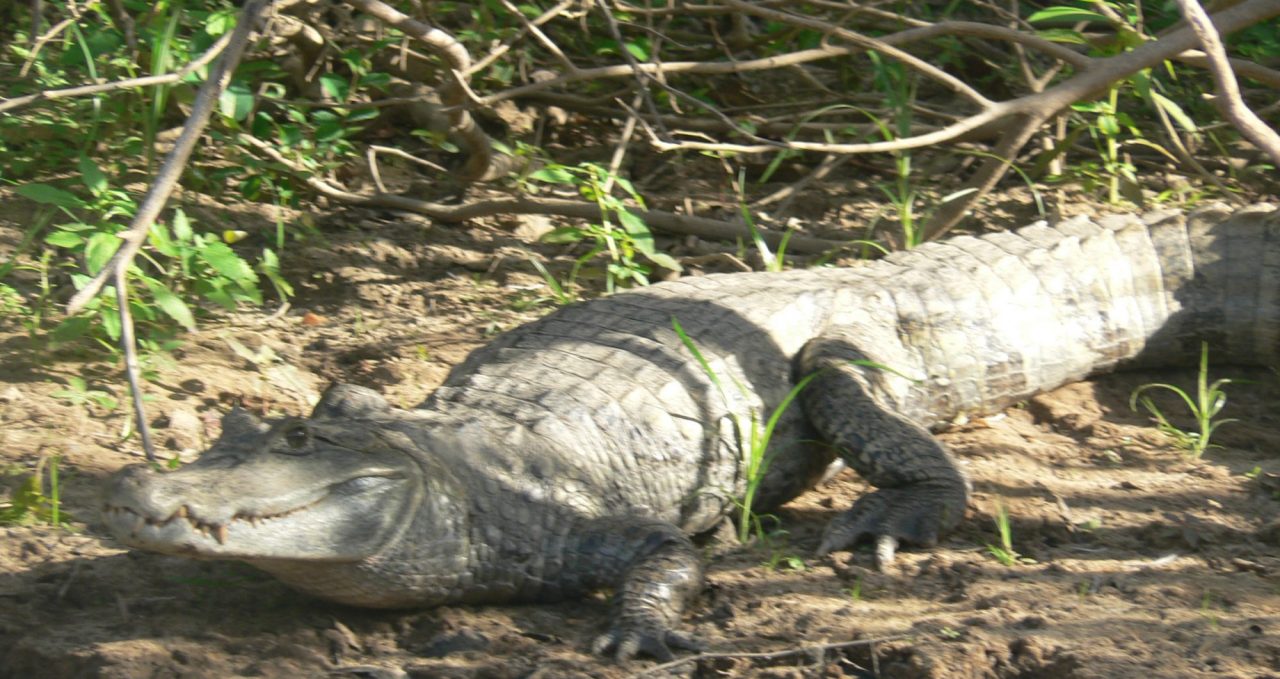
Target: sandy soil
{"points": [[1138, 561]]}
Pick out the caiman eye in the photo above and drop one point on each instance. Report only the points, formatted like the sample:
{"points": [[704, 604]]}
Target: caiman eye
{"points": [[298, 440]]}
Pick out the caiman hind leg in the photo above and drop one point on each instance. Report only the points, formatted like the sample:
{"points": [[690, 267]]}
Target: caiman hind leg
{"points": [[921, 492]]}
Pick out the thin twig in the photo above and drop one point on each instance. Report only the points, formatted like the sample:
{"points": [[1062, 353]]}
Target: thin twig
{"points": [[904, 37], [1228, 101], [867, 43], [167, 178], [506, 47], [163, 79], [770, 655], [533, 28], [41, 42], [131, 368], [1184, 155], [454, 94], [392, 151]]}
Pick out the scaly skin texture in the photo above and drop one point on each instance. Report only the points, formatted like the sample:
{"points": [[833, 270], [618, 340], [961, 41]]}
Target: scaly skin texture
{"points": [[578, 452]]}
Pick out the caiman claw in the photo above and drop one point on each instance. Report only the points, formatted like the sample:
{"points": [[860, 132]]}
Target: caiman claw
{"points": [[916, 514], [627, 641]]}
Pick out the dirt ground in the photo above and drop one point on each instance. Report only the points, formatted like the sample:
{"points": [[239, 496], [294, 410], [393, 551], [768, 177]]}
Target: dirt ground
{"points": [[1137, 561]]}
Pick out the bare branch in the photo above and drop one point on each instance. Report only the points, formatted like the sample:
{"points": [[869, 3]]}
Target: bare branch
{"points": [[132, 370], [163, 79], [533, 28], [908, 36], [455, 93], [1229, 101], [132, 239], [866, 43], [1242, 67], [1041, 107]]}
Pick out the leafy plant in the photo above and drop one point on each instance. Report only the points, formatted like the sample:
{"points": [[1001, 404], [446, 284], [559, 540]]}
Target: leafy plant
{"points": [[855, 591], [1113, 129], [1004, 552], [620, 235], [78, 393], [12, 306], [178, 267], [899, 90], [773, 541], [559, 293], [757, 435], [30, 505], [1209, 401]]}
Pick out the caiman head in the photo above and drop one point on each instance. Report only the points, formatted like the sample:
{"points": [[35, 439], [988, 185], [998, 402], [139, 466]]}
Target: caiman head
{"points": [[339, 486]]}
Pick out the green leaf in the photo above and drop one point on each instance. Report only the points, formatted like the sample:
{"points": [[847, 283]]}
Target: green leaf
{"points": [[361, 115], [77, 227], [236, 101], [92, 177], [99, 249], [638, 51], [269, 266], [664, 260], [290, 135], [262, 125], [182, 227], [1179, 116], [213, 291], [158, 236], [553, 174], [220, 22], [171, 304], [1108, 125], [564, 234], [111, 324], [1065, 36], [636, 228], [71, 329], [329, 131], [335, 87], [1066, 14], [225, 261], [626, 185], [64, 239], [48, 195], [376, 79]]}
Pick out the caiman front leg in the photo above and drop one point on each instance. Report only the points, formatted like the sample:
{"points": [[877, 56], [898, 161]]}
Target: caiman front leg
{"points": [[654, 570], [921, 491]]}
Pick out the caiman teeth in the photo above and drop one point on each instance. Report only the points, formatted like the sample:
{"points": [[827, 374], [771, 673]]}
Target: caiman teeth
{"points": [[216, 531]]}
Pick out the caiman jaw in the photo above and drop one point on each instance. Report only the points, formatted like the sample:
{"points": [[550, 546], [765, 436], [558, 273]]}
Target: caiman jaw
{"points": [[118, 516], [343, 521]]}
